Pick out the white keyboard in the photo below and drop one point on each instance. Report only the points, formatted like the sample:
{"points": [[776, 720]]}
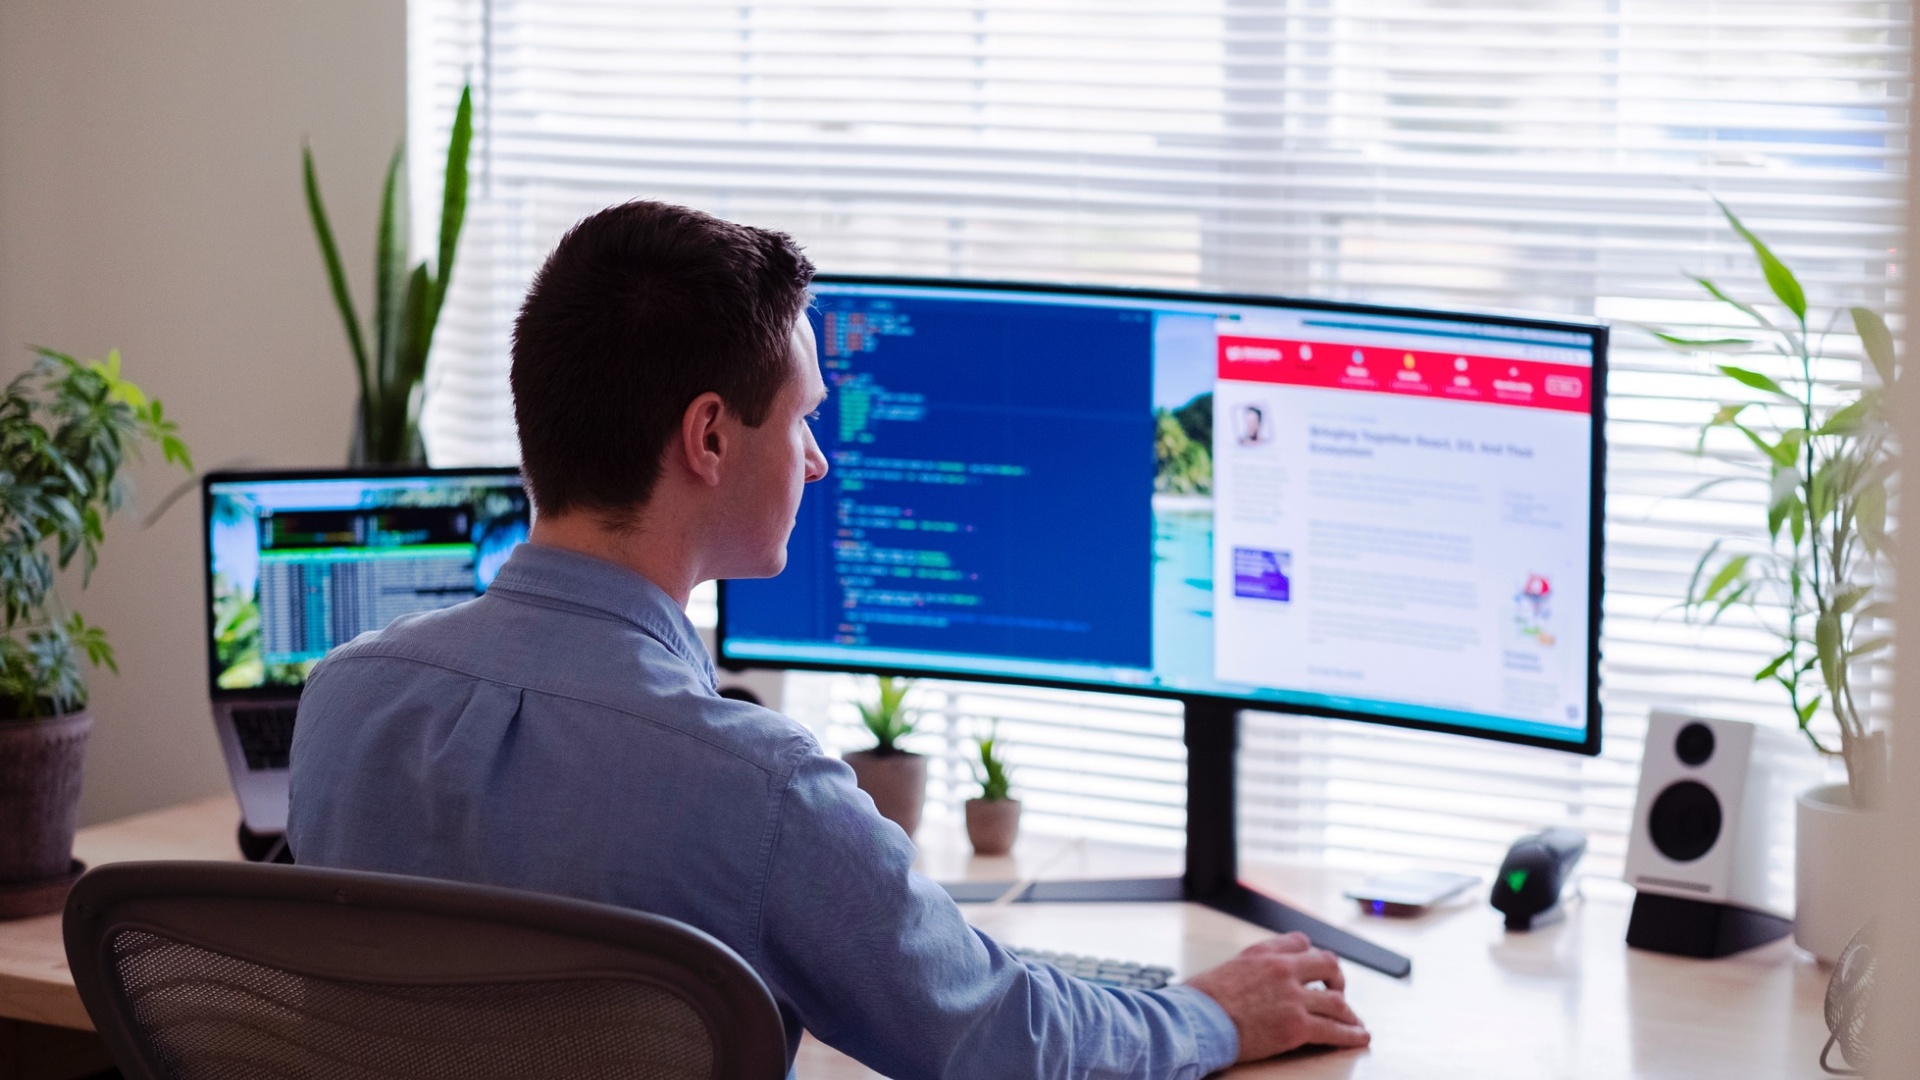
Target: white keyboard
{"points": [[1119, 973]]}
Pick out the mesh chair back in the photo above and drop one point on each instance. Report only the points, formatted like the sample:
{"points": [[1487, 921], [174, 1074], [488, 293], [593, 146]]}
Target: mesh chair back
{"points": [[225, 971]]}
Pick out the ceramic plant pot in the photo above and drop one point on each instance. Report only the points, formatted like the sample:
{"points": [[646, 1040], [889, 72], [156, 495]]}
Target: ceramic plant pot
{"points": [[1836, 873], [40, 765], [992, 825], [897, 783]]}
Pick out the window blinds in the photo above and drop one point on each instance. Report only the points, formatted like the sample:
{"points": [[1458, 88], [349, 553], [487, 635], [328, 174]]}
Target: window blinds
{"points": [[1548, 156]]}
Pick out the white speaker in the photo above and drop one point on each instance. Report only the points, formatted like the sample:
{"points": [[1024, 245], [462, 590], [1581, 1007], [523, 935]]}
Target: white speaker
{"points": [[1711, 849]]}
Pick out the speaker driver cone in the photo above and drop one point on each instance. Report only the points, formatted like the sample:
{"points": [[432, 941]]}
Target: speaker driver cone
{"points": [[1685, 821]]}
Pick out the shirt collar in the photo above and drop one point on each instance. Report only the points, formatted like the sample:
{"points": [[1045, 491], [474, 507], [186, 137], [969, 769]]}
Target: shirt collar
{"points": [[584, 581]]}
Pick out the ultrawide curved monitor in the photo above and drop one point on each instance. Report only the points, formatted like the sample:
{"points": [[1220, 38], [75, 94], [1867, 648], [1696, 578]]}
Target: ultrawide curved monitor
{"points": [[1378, 514]]}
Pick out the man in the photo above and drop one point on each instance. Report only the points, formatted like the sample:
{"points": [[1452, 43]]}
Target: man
{"points": [[562, 733]]}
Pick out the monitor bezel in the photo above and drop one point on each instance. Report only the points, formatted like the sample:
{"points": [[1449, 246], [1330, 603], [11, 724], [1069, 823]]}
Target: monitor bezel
{"points": [[229, 476], [1589, 745]]}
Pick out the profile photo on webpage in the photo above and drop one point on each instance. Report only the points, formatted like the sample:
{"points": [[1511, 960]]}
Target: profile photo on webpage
{"points": [[1251, 426]]}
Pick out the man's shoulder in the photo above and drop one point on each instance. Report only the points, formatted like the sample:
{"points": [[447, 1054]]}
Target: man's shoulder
{"points": [[562, 664]]}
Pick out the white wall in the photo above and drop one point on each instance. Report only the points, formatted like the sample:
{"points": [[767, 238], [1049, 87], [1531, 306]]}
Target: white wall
{"points": [[150, 199]]}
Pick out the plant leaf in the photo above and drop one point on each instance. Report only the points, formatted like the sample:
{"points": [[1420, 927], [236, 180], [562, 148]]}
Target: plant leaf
{"points": [[1870, 646], [1726, 576], [453, 194], [1755, 380], [1848, 419], [1870, 515], [336, 274], [1780, 279], [1699, 568], [1807, 710], [1877, 340], [389, 268], [1703, 344], [1745, 308], [1773, 666], [1826, 641]]}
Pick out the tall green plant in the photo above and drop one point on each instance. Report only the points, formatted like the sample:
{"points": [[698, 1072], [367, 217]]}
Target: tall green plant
{"points": [[406, 304], [1817, 580], [887, 716], [66, 430]]}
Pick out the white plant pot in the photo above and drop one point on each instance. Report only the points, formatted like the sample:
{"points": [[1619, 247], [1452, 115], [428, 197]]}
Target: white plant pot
{"points": [[1836, 870]]}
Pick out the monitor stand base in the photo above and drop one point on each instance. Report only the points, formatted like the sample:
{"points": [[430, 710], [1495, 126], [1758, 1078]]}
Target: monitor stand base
{"points": [[1236, 900], [1212, 879]]}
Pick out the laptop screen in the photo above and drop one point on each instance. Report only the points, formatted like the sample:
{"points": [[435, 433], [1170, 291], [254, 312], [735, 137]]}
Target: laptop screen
{"points": [[298, 563]]}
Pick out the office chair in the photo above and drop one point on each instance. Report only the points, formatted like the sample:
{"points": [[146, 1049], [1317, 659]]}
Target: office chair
{"points": [[196, 970]]}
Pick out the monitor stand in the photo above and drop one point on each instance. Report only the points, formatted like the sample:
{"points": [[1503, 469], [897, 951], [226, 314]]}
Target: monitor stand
{"points": [[1212, 876]]}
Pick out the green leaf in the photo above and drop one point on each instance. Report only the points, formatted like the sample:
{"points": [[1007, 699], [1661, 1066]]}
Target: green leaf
{"points": [[1870, 515], [336, 274], [1773, 666], [1734, 596], [1725, 415], [1726, 576], [1877, 340], [1755, 380], [1780, 279], [1703, 344], [453, 208], [1748, 309], [1870, 646], [1826, 641], [1700, 568], [1849, 419], [1849, 597], [1785, 453], [389, 268], [1807, 710]]}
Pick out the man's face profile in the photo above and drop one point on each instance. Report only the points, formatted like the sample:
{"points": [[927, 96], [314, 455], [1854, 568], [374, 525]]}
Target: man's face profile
{"points": [[778, 460]]}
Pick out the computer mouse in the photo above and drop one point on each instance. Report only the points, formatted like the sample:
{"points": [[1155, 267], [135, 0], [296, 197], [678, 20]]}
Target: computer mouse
{"points": [[1527, 888]]}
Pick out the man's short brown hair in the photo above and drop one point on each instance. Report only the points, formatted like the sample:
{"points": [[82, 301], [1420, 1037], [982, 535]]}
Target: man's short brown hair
{"points": [[640, 309]]}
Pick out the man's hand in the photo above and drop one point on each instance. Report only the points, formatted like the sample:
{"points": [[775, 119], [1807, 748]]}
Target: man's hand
{"points": [[1269, 993]]}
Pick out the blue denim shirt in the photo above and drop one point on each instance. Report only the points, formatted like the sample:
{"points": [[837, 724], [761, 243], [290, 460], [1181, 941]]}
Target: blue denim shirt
{"points": [[562, 734]]}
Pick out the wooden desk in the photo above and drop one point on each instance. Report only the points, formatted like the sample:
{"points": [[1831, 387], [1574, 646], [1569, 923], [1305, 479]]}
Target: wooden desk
{"points": [[1568, 1001]]}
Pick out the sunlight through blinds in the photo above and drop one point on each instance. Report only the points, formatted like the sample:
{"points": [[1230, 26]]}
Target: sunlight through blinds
{"points": [[1548, 156]]}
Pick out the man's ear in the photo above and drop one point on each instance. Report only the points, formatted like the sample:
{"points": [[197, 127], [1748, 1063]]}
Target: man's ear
{"points": [[703, 437]]}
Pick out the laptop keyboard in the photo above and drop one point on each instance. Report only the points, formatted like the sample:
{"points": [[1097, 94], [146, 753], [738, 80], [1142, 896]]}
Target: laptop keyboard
{"points": [[1121, 973], [266, 734]]}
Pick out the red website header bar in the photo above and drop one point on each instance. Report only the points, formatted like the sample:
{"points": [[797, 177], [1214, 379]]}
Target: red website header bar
{"points": [[1456, 376]]}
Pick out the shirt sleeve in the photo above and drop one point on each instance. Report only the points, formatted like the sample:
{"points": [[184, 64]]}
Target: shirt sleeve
{"points": [[876, 961]]}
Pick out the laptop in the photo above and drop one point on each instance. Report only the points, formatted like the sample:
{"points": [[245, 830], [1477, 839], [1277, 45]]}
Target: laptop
{"points": [[299, 562]]}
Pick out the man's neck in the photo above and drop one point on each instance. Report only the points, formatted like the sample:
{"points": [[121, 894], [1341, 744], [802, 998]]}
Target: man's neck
{"points": [[654, 554]]}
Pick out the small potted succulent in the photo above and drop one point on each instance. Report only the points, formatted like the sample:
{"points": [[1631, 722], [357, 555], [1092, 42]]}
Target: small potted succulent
{"points": [[895, 779], [66, 428], [993, 819], [1820, 450]]}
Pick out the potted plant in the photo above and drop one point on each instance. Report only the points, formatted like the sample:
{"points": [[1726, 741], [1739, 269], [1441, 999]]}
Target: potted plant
{"points": [[1817, 580], [406, 304], [895, 779], [66, 428], [993, 819]]}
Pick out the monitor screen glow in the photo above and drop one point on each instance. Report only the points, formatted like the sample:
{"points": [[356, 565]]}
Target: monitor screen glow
{"points": [[1359, 512], [298, 563]]}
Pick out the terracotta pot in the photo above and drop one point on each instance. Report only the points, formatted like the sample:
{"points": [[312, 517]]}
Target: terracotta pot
{"points": [[1836, 876], [896, 782], [40, 764], [992, 825]]}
